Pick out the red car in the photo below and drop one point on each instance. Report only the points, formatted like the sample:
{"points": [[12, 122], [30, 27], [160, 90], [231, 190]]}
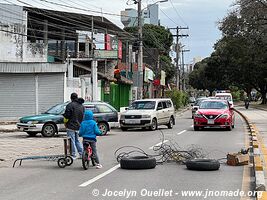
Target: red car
{"points": [[214, 113]]}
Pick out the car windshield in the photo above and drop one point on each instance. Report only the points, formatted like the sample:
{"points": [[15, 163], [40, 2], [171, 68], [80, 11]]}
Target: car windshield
{"points": [[57, 109], [213, 105], [143, 105]]}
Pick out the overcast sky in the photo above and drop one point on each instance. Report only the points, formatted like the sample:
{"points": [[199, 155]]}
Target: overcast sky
{"points": [[201, 16]]}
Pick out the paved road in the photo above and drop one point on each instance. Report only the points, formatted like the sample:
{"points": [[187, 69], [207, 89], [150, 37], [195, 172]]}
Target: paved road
{"points": [[42, 180]]}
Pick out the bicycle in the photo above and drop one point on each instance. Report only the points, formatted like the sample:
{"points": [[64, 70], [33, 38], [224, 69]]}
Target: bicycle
{"points": [[87, 155]]}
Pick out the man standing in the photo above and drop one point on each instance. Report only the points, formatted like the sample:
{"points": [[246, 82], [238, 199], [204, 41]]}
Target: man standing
{"points": [[74, 114]]}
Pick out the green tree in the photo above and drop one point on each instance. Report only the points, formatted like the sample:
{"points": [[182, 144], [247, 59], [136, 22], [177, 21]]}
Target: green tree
{"points": [[160, 38]]}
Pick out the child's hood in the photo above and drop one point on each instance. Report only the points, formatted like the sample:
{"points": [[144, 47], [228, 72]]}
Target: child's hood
{"points": [[88, 115]]}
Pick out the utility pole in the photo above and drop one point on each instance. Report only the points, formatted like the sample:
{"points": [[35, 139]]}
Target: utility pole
{"points": [[93, 65], [140, 53], [178, 77], [183, 71]]}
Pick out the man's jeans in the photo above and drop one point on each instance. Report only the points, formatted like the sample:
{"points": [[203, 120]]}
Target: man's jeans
{"points": [[75, 143]]}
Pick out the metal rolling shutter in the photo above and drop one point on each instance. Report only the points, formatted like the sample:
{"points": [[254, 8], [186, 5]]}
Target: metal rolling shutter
{"points": [[50, 90], [17, 95]]}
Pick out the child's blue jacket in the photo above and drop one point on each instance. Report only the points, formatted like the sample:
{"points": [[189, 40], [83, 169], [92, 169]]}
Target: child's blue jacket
{"points": [[89, 129]]}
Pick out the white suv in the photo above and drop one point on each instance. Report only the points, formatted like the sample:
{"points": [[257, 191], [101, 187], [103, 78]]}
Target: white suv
{"points": [[148, 113]]}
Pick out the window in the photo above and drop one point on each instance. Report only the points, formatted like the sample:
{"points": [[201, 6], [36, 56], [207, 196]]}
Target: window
{"points": [[160, 105], [164, 104], [92, 108], [104, 109], [138, 105], [169, 104]]}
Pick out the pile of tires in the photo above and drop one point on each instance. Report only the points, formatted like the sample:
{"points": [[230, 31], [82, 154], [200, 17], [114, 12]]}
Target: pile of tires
{"points": [[203, 164], [138, 162]]}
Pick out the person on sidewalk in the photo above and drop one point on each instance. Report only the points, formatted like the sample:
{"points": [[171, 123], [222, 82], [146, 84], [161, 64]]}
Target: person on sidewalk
{"points": [[74, 116], [88, 131]]}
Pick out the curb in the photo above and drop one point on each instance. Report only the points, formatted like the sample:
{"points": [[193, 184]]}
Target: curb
{"points": [[256, 156]]}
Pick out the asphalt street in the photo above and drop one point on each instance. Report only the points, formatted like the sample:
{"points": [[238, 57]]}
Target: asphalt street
{"points": [[42, 180]]}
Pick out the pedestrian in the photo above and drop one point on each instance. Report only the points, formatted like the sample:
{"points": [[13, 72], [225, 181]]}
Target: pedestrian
{"points": [[74, 116], [88, 131]]}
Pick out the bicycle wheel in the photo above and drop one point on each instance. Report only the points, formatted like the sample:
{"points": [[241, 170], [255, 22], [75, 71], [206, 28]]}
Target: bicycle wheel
{"points": [[85, 161]]}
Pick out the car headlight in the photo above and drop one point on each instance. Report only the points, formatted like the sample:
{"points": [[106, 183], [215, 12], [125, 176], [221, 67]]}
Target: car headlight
{"points": [[224, 116], [198, 115], [146, 116], [32, 122]]}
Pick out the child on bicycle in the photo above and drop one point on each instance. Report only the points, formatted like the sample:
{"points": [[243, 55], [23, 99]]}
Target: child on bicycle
{"points": [[88, 131]]}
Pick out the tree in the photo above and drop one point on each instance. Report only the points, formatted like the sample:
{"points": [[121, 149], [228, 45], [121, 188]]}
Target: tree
{"points": [[160, 38]]}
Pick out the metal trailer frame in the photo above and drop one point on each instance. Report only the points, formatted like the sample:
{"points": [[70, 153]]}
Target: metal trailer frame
{"points": [[63, 160]]}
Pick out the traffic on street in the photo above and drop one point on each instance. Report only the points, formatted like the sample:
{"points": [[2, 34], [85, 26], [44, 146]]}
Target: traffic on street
{"points": [[168, 180]]}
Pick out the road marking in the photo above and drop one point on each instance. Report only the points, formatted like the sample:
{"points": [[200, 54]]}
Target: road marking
{"points": [[181, 132], [99, 176], [159, 144]]}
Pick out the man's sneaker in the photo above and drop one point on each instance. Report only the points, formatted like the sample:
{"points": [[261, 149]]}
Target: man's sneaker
{"points": [[74, 157], [98, 166]]}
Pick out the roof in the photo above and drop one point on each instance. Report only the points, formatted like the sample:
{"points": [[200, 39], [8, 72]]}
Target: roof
{"points": [[69, 22], [155, 99]]}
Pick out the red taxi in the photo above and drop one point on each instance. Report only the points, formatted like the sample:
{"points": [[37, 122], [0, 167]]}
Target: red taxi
{"points": [[214, 113]]}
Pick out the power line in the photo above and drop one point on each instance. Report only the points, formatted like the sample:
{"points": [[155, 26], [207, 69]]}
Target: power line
{"points": [[178, 13]]}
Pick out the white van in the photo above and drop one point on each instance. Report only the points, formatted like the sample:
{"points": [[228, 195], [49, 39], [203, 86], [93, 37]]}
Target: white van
{"points": [[148, 113], [225, 96]]}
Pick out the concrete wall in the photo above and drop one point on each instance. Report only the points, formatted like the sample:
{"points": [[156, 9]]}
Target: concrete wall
{"points": [[14, 46]]}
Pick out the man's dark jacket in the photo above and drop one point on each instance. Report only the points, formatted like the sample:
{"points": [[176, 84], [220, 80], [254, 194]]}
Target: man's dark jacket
{"points": [[74, 113]]}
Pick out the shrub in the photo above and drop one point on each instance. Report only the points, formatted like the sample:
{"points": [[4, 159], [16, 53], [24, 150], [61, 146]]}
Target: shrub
{"points": [[178, 98]]}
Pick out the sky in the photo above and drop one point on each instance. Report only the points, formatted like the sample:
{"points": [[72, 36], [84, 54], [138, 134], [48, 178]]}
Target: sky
{"points": [[200, 16]]}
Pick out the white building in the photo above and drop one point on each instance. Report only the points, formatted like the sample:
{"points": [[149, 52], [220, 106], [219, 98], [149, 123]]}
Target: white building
{"points": [[150, 15]]}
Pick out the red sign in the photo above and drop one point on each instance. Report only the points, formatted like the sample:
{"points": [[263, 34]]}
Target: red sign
{"points": [[120, 49], [156, 82], [107, 42]]}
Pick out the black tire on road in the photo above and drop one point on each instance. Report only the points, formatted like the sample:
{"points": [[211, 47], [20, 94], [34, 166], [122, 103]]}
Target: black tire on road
{"points": [[203, 164], [154, 125], [196, 128], [170, 124], [85, 161], [69, 160], [124, 128], [138, 162], [31, 134], [48, 130], [229, 128], [61, 162], [103, 127]]}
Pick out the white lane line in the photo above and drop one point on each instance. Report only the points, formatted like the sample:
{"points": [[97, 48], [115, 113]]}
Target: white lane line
{"points": [[159, 144], [181, 132], [99, 176]]}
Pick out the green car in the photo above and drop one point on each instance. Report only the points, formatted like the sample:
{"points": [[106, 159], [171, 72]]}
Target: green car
{"points": [[51, 122]]}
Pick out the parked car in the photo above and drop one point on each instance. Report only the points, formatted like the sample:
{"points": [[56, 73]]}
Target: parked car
{"points": [[214, 113], [51, 122], [196, 105], [148, 113]]}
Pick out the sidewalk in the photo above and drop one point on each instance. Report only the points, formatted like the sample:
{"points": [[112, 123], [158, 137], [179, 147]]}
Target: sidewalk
{"points": [[257, 116]]}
